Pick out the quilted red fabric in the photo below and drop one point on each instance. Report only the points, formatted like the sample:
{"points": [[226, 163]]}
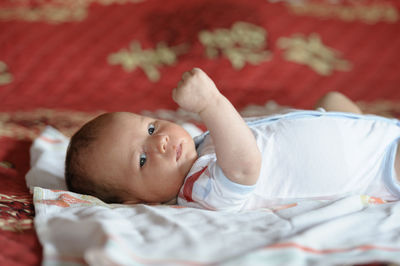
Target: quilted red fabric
{"points": [[62, 62]]}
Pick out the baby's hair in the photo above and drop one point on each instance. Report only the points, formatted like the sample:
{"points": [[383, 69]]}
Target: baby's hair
{"points": [[77, 176]]}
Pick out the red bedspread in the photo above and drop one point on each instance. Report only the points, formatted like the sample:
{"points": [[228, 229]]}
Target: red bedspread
{"points": [[62, 62]]}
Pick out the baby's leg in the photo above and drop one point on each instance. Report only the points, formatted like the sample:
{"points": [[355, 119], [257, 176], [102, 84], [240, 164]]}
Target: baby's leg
{"points": [[335, 101]]}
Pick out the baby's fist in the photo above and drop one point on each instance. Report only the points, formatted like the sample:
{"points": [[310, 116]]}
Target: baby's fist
{"points": [[195, 91]]}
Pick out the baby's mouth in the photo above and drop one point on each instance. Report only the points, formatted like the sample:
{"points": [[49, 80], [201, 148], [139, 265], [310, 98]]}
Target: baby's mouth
{"points": [[178, 151]]}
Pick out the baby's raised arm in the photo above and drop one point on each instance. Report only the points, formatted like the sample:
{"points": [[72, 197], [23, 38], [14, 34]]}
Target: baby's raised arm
{"points": [[235, 146]]}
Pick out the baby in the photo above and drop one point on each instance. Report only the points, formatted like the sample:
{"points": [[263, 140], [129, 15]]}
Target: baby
{"points": [[127, 158]]}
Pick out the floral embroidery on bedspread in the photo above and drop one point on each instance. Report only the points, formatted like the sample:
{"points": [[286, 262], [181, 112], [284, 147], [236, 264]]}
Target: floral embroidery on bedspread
{"points": [[16, 212], [64, 200], [28, 124]]}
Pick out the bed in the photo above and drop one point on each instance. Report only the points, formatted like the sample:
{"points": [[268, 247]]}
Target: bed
{"points": [[64, 62]]}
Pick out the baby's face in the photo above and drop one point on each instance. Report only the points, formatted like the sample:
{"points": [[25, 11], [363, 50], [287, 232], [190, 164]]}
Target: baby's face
{"points": [[146, 157]]}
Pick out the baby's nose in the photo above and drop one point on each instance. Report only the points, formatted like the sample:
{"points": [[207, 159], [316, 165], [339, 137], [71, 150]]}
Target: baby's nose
{"points": [[161, 143]]}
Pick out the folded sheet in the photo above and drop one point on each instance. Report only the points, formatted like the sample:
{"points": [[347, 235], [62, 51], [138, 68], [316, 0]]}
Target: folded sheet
{"points": [[47, 160], [76, 229]]}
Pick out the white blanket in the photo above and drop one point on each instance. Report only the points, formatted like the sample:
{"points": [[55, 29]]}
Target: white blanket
{"points": [[77, 229]]}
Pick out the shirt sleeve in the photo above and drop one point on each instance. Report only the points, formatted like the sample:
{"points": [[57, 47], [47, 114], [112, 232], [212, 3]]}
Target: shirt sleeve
{"points": [[207, 187]]}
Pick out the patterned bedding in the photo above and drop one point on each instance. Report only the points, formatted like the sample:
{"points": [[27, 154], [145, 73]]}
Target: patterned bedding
{"points": [[63, 62]]}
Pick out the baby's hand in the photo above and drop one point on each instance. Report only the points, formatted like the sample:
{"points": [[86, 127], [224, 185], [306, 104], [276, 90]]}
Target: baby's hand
{"points": [[195, 91]]}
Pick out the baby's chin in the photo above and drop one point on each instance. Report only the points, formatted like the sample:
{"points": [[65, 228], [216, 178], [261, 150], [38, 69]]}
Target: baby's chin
{"points": [[165, 196], [172, 197], [173, 201], [164, 200]]}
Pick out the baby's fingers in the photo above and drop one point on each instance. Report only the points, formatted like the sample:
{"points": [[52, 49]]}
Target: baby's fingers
{"points": [[186, 75], [174, 95], [178, 96], [180, 84], [196, 70]]}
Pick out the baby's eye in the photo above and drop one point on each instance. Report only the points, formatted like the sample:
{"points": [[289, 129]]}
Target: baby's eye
{"points": [[142, 160], [151, 129]]}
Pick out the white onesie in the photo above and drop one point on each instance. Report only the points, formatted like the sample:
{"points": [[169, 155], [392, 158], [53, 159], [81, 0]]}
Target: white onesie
{"points": [[306, 154]]}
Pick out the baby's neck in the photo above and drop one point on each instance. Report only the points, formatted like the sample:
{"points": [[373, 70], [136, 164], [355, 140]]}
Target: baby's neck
{"points": [[171, 202]]}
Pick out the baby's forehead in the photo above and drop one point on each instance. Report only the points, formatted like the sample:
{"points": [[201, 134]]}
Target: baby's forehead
{"points": [[119, 117], [118, 128], [122, 127]]}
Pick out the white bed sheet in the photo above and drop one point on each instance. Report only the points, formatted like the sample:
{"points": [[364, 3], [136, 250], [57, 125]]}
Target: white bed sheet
{"points": [[78, 229]]}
